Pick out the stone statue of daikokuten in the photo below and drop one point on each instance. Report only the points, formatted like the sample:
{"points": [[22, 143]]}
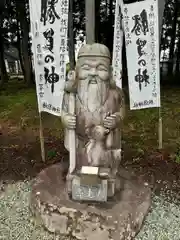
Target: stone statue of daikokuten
{"points": [[97, 114]]}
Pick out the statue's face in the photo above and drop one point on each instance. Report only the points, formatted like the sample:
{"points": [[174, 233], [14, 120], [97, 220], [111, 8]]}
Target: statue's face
{"points": [[94, 69]]}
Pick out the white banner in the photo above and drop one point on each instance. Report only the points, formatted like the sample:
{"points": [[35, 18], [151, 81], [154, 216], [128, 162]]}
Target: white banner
{"points": [[141, 25], [117, 44], [49, 24]]}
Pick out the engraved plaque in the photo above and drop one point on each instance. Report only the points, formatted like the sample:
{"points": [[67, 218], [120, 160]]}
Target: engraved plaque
{"points": [[95, 193]]}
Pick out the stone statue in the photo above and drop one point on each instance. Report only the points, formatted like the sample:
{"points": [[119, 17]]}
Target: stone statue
{"points": [[92, 113]]}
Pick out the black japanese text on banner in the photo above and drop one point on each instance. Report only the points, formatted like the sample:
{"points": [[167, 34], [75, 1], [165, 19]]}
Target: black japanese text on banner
{"points": [[117, 44], [49, 24], [141, 26]]}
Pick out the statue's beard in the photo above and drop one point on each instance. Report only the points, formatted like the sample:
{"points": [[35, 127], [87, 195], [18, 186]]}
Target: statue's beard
{"points": [[92, 93]]}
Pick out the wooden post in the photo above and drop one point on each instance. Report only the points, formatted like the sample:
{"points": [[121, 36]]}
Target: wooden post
{"points": [[160, 5], [90, 21], [43, 154]]}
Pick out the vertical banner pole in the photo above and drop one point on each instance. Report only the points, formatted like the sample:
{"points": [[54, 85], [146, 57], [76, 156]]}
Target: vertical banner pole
{"points": [[90, 21], [118, 44], [41, 134], [160, 130], [117, 47], [41, 138], [161, 5]]}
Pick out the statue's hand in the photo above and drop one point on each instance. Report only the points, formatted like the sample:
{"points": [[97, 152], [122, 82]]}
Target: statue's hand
{"points": [[111, 121], [70, 121]]}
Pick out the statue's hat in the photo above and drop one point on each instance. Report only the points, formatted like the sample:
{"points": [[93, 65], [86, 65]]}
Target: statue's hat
{"points": [[94, 50]]}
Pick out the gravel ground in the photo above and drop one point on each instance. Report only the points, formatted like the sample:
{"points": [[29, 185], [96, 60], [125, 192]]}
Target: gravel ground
{"points": [[16, 222], [162, 223]]}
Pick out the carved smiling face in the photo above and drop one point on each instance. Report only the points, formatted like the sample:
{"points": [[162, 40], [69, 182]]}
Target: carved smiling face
{"points": [[93, 75], [94, 69]]}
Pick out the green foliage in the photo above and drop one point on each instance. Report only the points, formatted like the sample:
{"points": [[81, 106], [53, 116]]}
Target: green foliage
{"points": [[52, 153], [176, 156], [16, 100]]}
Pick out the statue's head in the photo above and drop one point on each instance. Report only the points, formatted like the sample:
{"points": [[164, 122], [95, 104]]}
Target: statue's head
{"points": [[93, 75], [93, 63]]}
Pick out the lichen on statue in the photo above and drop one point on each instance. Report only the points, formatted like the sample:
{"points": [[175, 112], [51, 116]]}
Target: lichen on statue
{"points": [[99, 108]]}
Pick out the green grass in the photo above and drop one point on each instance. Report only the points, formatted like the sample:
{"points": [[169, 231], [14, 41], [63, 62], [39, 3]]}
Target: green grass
{"points": [[16, 101], [141, 126], [18, 105]]}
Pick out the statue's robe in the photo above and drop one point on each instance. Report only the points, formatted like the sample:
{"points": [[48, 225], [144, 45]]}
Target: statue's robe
{"points": [[86, 119]]}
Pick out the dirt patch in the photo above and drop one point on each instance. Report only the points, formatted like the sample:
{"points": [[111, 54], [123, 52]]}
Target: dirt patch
{"points": [[21, 159], [157, 168], [21, 155]]}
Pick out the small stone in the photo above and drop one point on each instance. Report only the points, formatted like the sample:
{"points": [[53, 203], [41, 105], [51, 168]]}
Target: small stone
{"points": [[95, 220], [67, 210], [71, 215], [100, 235], [78, 236], [112, 228], [55, 223]]}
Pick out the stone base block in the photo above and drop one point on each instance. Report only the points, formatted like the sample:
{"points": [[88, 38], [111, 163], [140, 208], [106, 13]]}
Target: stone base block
{"points": [[96, 192], [118, 219]]}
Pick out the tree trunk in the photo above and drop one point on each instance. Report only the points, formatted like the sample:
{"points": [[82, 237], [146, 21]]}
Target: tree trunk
{"points": [[22, 18], [178, 55], [173, 38], [110, 33], [124, 64], [178, 50], [19, 48], [97, 21], [106, 7], [3, 71]]}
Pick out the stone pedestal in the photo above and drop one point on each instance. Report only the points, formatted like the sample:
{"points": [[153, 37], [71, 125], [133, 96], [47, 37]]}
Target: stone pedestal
{"points": [[119, 219]]}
